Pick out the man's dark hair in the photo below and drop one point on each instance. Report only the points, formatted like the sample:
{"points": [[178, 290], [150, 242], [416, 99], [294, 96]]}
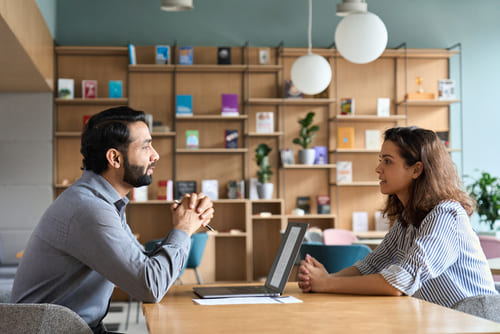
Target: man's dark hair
{"points": [[105, 130]]}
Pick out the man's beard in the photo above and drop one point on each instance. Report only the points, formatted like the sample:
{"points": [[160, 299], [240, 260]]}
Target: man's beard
{"points": [[135, 175]]}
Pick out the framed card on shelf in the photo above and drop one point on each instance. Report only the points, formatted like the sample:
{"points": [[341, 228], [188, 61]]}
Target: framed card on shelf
{"points": [[264, 122], [186, 55], [383, 107], [163, 54], [347, 106], [446, 89], [231, 138], [115, 89], [184, 105], [65, 88], [192, 139], [89, 89], [223, 55], [230, 105]]}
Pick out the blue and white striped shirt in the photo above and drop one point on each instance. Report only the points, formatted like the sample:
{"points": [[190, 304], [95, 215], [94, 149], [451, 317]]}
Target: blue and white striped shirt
{"points": [[441, 261]]}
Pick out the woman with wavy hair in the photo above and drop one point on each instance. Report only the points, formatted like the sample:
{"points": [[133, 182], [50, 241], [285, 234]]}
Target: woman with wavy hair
{"points": [[430, 251]]}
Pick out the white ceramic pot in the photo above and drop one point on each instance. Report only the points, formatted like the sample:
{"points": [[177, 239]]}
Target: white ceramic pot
{"points": [[265, 190], [306, 157]]}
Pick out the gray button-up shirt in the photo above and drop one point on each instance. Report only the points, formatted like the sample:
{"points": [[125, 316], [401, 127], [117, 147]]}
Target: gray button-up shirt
{"points": [[83, 247]]}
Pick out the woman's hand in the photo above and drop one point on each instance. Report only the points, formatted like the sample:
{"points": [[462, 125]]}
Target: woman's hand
{"points": [[312, 275]]}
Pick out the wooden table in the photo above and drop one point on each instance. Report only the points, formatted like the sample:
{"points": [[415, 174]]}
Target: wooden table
{"points": [[494, 265], [319, 313]]}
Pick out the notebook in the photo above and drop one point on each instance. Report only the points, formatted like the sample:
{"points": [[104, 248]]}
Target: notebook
{"points": [[278, 276]]}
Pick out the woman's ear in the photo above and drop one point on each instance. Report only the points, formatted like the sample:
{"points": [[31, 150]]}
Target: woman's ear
{"points": [[417, 169], [114, 158]]}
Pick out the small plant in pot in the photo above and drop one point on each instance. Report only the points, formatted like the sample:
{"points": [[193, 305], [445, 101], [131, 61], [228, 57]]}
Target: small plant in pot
{"points": [[264, 187], [304, 140], [486, 192]]}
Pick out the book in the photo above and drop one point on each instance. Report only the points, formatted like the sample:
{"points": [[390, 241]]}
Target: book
{"points": [[86, 119], [304, 203], [223, 55], [230, 105], [292, 92], [347, 106], [372, 139], [264, 122], [210, 188], [383, 107], [446, 89], [345, 137], [162, 54], [89, 89], [320, 155], [165, 190], [184, 105], [252, 188], [131, 54], [360, 221], [192, 139], [236, 189], [264, 56], [344, 171], [445, 137], [186, 55], [66, 88], [115, 88], [231, 138], [287, 157], [323, 204], [184, 187]]}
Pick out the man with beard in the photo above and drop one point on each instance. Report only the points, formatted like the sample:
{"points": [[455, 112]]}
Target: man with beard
{"points": [[83, 246]]}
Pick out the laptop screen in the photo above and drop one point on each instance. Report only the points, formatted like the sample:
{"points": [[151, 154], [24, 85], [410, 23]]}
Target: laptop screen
{"points": [[287, 253]]}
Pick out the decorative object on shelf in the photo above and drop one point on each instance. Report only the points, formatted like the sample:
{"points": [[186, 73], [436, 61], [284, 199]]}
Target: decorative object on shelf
{"points": [[264, 56], [85, 120], [140, 194], [419, 94], [445, 137], [231, 138], [89, 89], [131, 54], [323, 204], [320, 155], [381, 221], [347, 106], [486, 191], [149, 122], [311, 73], [252, 188], [115, 88], [165, 190], [304, 203], [176, 5], [236, 189], [446, 89], [229, 105], [224, 55], [360, 221], [210, 188], [345, 137], [186, 55], [361, 36], [344, 171], [264, 187], [383, 107], [372, 139], [264, 122], [291, 91], [65, 88], [184, 187], [184, 105], [287, 157], [192, 139], [307, 132], [162, 54]]}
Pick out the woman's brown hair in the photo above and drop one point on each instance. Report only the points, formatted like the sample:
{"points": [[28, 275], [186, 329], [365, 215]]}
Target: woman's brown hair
{"points": [[438, 182]]}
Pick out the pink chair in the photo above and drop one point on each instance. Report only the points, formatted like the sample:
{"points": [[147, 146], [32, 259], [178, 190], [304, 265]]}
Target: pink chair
{"points": [[491, 248], [337, 236]]}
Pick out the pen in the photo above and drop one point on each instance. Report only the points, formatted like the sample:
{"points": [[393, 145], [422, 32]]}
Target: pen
{"points": [[207, 226]]}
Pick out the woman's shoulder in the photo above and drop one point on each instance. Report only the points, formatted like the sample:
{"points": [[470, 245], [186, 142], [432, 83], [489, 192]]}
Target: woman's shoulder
{"points": [[446, 210]]}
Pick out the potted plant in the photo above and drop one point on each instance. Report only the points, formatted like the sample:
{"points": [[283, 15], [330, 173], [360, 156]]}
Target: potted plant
{"points": [[264, 187], [304, 140], [486, 192]]}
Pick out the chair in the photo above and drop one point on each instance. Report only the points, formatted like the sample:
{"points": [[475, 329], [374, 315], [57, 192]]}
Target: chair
{"points": [[486, 306], [491, 248], [335, 257], [41, 318], [337, 236]]}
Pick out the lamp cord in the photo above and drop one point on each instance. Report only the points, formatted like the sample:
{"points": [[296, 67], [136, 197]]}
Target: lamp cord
{"points": [[310, 27]]}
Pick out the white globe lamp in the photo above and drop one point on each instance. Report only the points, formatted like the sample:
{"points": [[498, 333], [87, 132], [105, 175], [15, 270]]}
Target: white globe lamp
{"points": [[311, 74], [361, 37]]}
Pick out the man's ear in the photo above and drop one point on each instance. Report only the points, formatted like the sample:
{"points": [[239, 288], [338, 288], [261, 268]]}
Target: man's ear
{"points": [[114, 157], [417, 169]]}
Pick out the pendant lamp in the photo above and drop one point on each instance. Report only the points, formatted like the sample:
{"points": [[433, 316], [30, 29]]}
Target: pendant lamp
{"points": [[311, 74], [176, 5], [361, 36]]}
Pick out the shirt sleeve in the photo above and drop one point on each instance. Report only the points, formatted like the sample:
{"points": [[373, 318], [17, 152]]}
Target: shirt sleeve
{"points": [[98, 239], [432, 251], [381, 256]]}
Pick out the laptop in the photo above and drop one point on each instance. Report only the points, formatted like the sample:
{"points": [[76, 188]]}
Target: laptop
{"points": [[278, 276]]}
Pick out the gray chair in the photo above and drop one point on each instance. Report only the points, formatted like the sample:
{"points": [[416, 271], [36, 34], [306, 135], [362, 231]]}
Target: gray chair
{"points": [[40, 319], [485, 306]]}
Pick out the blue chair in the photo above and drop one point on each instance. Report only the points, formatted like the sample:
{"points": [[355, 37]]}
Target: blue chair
{"points": [[335, 257]]}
